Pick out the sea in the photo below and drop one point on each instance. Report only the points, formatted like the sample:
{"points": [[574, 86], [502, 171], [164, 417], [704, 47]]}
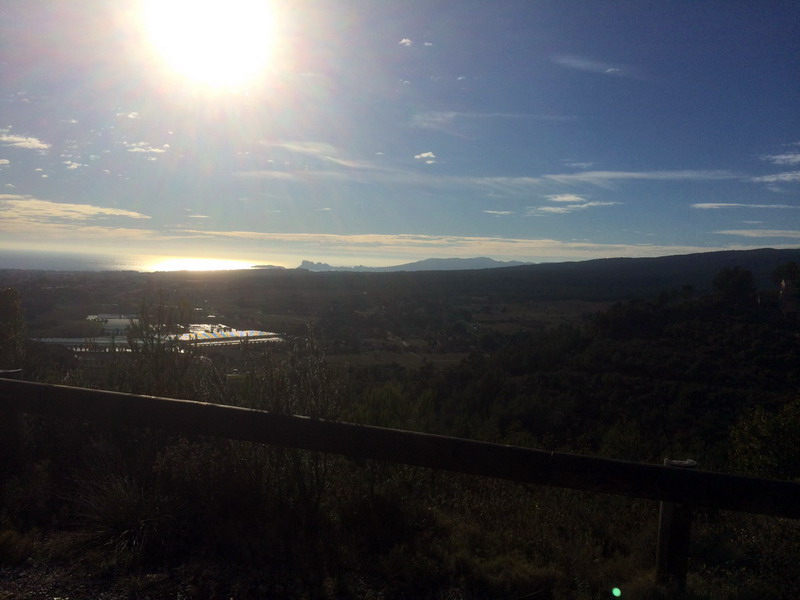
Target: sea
{"points": [[75, 261], [61, 261]]}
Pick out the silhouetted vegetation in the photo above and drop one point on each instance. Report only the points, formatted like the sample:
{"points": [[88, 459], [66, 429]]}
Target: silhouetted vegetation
{"points": [[708, 371]]}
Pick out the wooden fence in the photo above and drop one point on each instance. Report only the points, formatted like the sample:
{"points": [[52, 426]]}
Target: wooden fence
{"points": [[677, 488]]}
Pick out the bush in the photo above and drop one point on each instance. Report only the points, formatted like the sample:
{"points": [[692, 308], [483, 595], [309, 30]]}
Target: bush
{"points": [[767, 444], [132, 523], [15, 548]]}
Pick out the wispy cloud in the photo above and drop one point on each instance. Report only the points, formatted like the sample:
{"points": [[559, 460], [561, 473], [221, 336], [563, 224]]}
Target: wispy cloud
{"points": [[321, 149], [145, 147], [499, 213], [565, 203], [565, 198], [364, 172], [788, 177], [577, 164], [43, 223], [424, 246], [719, 205], [564, 209], [591, 66], [434, 119], [789, 158], [303, 175], [25, 208], [453, 122], [326, 154], [762, 233], [603, 178], [351, 164], [35, 233], [406, 42], [21, 141]]}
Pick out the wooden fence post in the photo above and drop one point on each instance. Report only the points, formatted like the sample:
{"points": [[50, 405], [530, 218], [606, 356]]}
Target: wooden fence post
{"points": [[674, 531]]}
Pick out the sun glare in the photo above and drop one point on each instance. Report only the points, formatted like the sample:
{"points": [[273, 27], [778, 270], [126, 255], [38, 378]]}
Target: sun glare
{"points": [[219, 44], [198, 264]]}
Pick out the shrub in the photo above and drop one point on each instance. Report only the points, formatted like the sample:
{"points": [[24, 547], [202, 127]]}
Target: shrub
{"points": [[15, 548], [117, 514]]}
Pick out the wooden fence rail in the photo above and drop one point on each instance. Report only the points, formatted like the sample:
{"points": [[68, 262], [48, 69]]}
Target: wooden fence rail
{"points": [[678, 489], [656, 482]]}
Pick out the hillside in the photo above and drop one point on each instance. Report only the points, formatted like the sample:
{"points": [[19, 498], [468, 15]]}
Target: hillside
{"points": [[601, 279], [148, 513]]}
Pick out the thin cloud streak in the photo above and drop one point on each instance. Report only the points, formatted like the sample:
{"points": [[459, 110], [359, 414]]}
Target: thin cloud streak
{"points": [[565, 198], [325, 152], [320, 149], [449, 121], [761, 233], [423, 246], [383, 174], [566, 209], [720, 205], [592, 66], [577, 164], [20, 141], [788, 177], [367, 172], [603, 178], [438, 119], [43, 234], [25, 208], [790, 158]]}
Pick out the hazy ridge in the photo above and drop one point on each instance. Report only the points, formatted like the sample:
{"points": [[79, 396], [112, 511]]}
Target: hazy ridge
{"points": [[428, 264]]}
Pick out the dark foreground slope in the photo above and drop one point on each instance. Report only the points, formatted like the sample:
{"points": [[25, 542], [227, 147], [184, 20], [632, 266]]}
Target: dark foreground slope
{"points": [[144, 513]]}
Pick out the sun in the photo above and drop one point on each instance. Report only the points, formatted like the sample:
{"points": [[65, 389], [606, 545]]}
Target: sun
{"points": [[219, 44]]}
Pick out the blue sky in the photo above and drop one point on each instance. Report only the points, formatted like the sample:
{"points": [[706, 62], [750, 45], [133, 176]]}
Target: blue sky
{"points": [[378, 133]]}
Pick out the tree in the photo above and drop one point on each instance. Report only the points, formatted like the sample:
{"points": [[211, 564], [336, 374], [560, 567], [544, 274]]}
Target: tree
{"points": [[12, 329], [12, 351], [767, 444], [787, 276], [734, 284], [786, 272]]}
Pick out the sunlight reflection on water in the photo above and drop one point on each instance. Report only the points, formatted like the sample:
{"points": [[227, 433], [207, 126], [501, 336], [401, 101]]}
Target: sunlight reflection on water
{"points": [[56, 261], [195, 264]]}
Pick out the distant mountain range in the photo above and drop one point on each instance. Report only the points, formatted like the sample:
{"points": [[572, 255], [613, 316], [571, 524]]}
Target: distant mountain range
{"points": [[429, 264], [609, 279]]}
